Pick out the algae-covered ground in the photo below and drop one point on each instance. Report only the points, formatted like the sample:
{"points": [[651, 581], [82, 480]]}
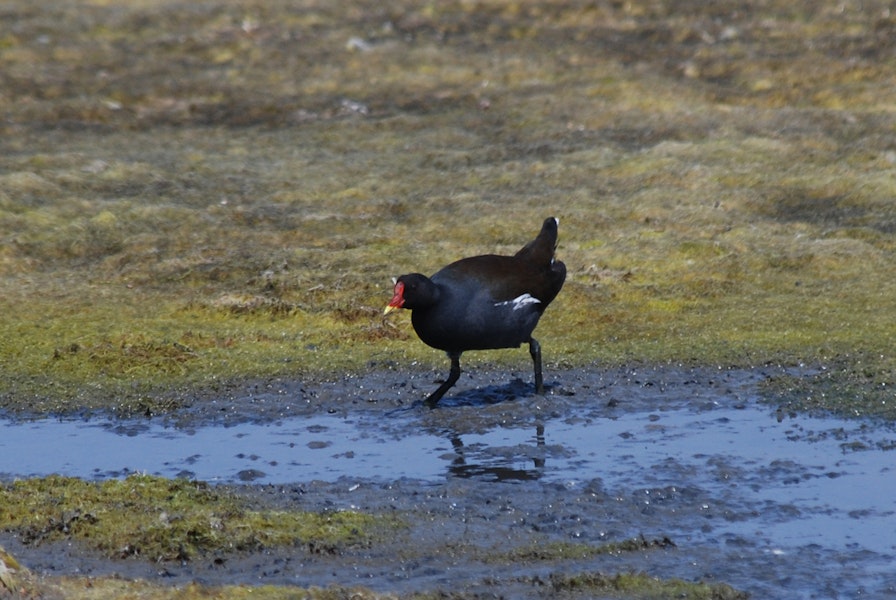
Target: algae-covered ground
{"points": [[197, 194]]}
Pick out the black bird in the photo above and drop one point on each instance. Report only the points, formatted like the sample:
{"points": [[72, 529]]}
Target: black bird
{"points": [[484, 302]]}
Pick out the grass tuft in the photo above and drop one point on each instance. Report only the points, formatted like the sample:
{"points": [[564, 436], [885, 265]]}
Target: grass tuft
{"points": [[159, 519]]}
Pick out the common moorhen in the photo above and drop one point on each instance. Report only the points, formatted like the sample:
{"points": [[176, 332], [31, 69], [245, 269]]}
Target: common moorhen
{"points": [[484, 302]]}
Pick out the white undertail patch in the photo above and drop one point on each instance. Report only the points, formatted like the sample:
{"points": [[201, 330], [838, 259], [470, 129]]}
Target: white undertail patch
{"points": [[520, 301]]}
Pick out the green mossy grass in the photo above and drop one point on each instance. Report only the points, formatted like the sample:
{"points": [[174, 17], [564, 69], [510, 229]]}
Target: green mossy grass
{"points": [[160, 519], [642, 586], [583, 585], [549, 551], [231, 200]]}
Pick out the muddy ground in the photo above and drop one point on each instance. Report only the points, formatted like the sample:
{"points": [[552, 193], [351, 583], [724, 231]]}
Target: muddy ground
{"points": [[495, 532]]}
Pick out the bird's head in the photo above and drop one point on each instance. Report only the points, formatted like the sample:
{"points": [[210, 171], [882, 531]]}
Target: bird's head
{"points": [[412, 291]]}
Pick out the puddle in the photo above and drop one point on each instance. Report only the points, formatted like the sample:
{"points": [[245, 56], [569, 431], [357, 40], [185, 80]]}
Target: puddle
{"points": [[299, 449], [822, 469], [710, 475]]}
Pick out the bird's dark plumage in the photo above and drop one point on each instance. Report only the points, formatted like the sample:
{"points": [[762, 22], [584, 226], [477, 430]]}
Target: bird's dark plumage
{"points": [[484, 302]]}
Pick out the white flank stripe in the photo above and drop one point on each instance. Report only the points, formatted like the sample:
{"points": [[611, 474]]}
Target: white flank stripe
{"points": [[519, 301]]}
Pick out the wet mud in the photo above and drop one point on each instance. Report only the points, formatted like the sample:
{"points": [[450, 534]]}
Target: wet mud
{"points": [[717, 485]]}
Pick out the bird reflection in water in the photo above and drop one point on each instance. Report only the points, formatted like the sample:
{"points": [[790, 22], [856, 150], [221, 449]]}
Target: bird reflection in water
{"points": [[465, 464]]}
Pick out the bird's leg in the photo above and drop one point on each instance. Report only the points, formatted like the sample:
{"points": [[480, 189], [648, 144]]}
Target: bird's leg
{"points": [[453, 376], [535, 351]]}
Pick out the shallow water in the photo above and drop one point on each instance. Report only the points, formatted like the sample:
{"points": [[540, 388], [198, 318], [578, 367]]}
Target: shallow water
{"points": [[837, 477], [794, 491]]}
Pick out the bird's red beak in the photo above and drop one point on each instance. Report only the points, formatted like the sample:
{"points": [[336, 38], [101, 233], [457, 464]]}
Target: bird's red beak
{"points": [[397, 300]]}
